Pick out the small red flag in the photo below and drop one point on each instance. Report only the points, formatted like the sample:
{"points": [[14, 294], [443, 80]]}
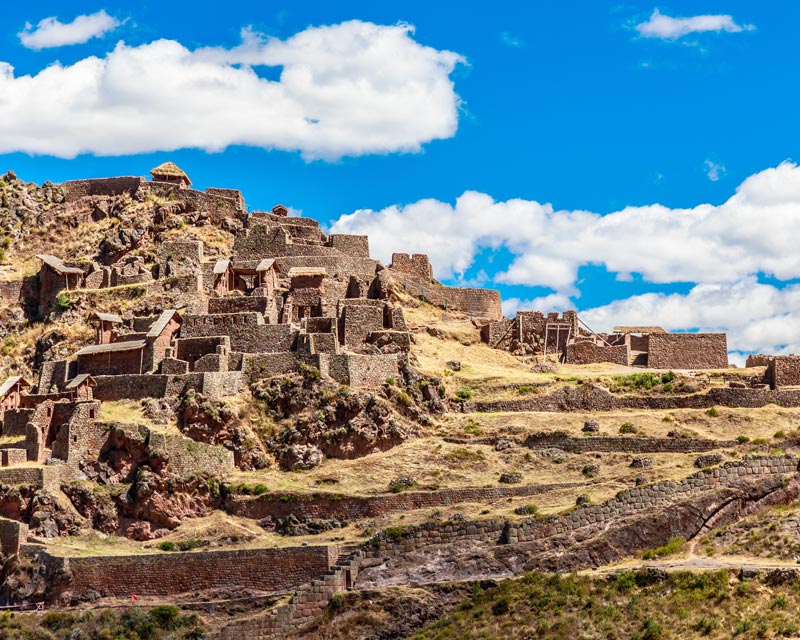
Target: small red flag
{"points": [[134, 597]]}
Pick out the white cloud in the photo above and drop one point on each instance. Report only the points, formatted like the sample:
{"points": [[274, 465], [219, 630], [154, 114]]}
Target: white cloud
{"points": [[346, 89], [714, 170], [50, 32], [753, 232], [758, 318], [511, 40], [668, 28], [552, 302]]}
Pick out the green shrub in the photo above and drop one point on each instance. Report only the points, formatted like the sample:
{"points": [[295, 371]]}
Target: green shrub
{"points": [[669, 376], [674, 545], [713, 412], [779, 435], [391, 382], [464, 394], [742, 439], [667, 387], [63, 301], [336, 602], [627, 427], [167, 546], [527, 388], [395, 534], [404, 399]]}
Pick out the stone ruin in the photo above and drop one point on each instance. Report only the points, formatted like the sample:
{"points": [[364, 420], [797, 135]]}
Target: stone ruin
{"points": [[573, 342], [289, 296]]}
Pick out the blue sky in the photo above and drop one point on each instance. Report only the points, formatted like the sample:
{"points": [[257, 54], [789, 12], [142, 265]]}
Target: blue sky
{"points": [[453, 137]]}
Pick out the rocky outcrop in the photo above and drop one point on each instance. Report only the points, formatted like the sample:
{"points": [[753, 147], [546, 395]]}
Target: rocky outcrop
{"points": [[318, 416], [215, 422]]}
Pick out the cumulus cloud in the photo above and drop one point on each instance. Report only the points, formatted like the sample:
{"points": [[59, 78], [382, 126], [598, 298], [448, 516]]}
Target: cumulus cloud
{"points": [[346, 89], [668, 28], [752, 232], [50, 32], [759, 318]]}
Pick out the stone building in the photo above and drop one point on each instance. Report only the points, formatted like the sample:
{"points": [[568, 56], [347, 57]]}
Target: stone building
{"points": [[573, 342], [11, 392]]}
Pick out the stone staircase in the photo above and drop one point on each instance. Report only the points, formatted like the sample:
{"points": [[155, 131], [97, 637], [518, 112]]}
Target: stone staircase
{"points": [[638, 359], [305, 606]]}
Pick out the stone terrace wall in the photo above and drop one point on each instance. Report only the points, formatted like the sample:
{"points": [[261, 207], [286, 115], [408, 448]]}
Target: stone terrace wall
{"points": [[77, 189], [647, 497], [687, 351], [588, 352], [269, 570], [188, 457], [136, 387], [588, 398], [626, 444], [330, 505]]}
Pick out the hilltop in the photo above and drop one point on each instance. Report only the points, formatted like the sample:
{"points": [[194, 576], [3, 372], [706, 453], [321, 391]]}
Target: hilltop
{"points": [[235, 412]]}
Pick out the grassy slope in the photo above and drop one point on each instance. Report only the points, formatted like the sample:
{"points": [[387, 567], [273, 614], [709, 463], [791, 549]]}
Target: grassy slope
{"points": [[685, 605]]}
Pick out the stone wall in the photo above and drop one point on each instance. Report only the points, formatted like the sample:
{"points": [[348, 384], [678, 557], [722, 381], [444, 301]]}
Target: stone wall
{"points": [[136, 387], [329, 505], [417, 265], [76, 189], [340, 267], [359, 370], [247, 331], [482, 303], [758, 360], [586, 352], [783, 371], [349, 245], [13, 535], [11, 291], [624, 444], [687, 351], [268, 570], [264, 365], [587, 398], [186, 457], [238, 304]]}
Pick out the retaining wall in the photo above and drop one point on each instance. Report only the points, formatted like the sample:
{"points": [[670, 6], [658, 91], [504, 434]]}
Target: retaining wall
{"points": [[269, 570]]}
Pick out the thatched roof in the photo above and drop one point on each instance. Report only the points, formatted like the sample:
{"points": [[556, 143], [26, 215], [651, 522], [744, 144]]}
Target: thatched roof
{"points": [[641, 329], [307, 272], [106, 317], [170, 170]]}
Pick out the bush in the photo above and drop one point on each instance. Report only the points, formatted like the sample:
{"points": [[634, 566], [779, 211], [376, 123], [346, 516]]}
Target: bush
{"points": [[403, 399], [667, 387], [63, 301], [501, 607], [464, 394], [713, 412], [167, 546], [674, 545], [742, 439], [627, 427], [526, 388], [669, 376], [391, 382], [779, 435], [395, 534]]}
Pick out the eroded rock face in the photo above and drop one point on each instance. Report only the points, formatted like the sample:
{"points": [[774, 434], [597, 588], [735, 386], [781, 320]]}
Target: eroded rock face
{"points": [[94, 504], [155, 504], [320, 418], [214, 422]]}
